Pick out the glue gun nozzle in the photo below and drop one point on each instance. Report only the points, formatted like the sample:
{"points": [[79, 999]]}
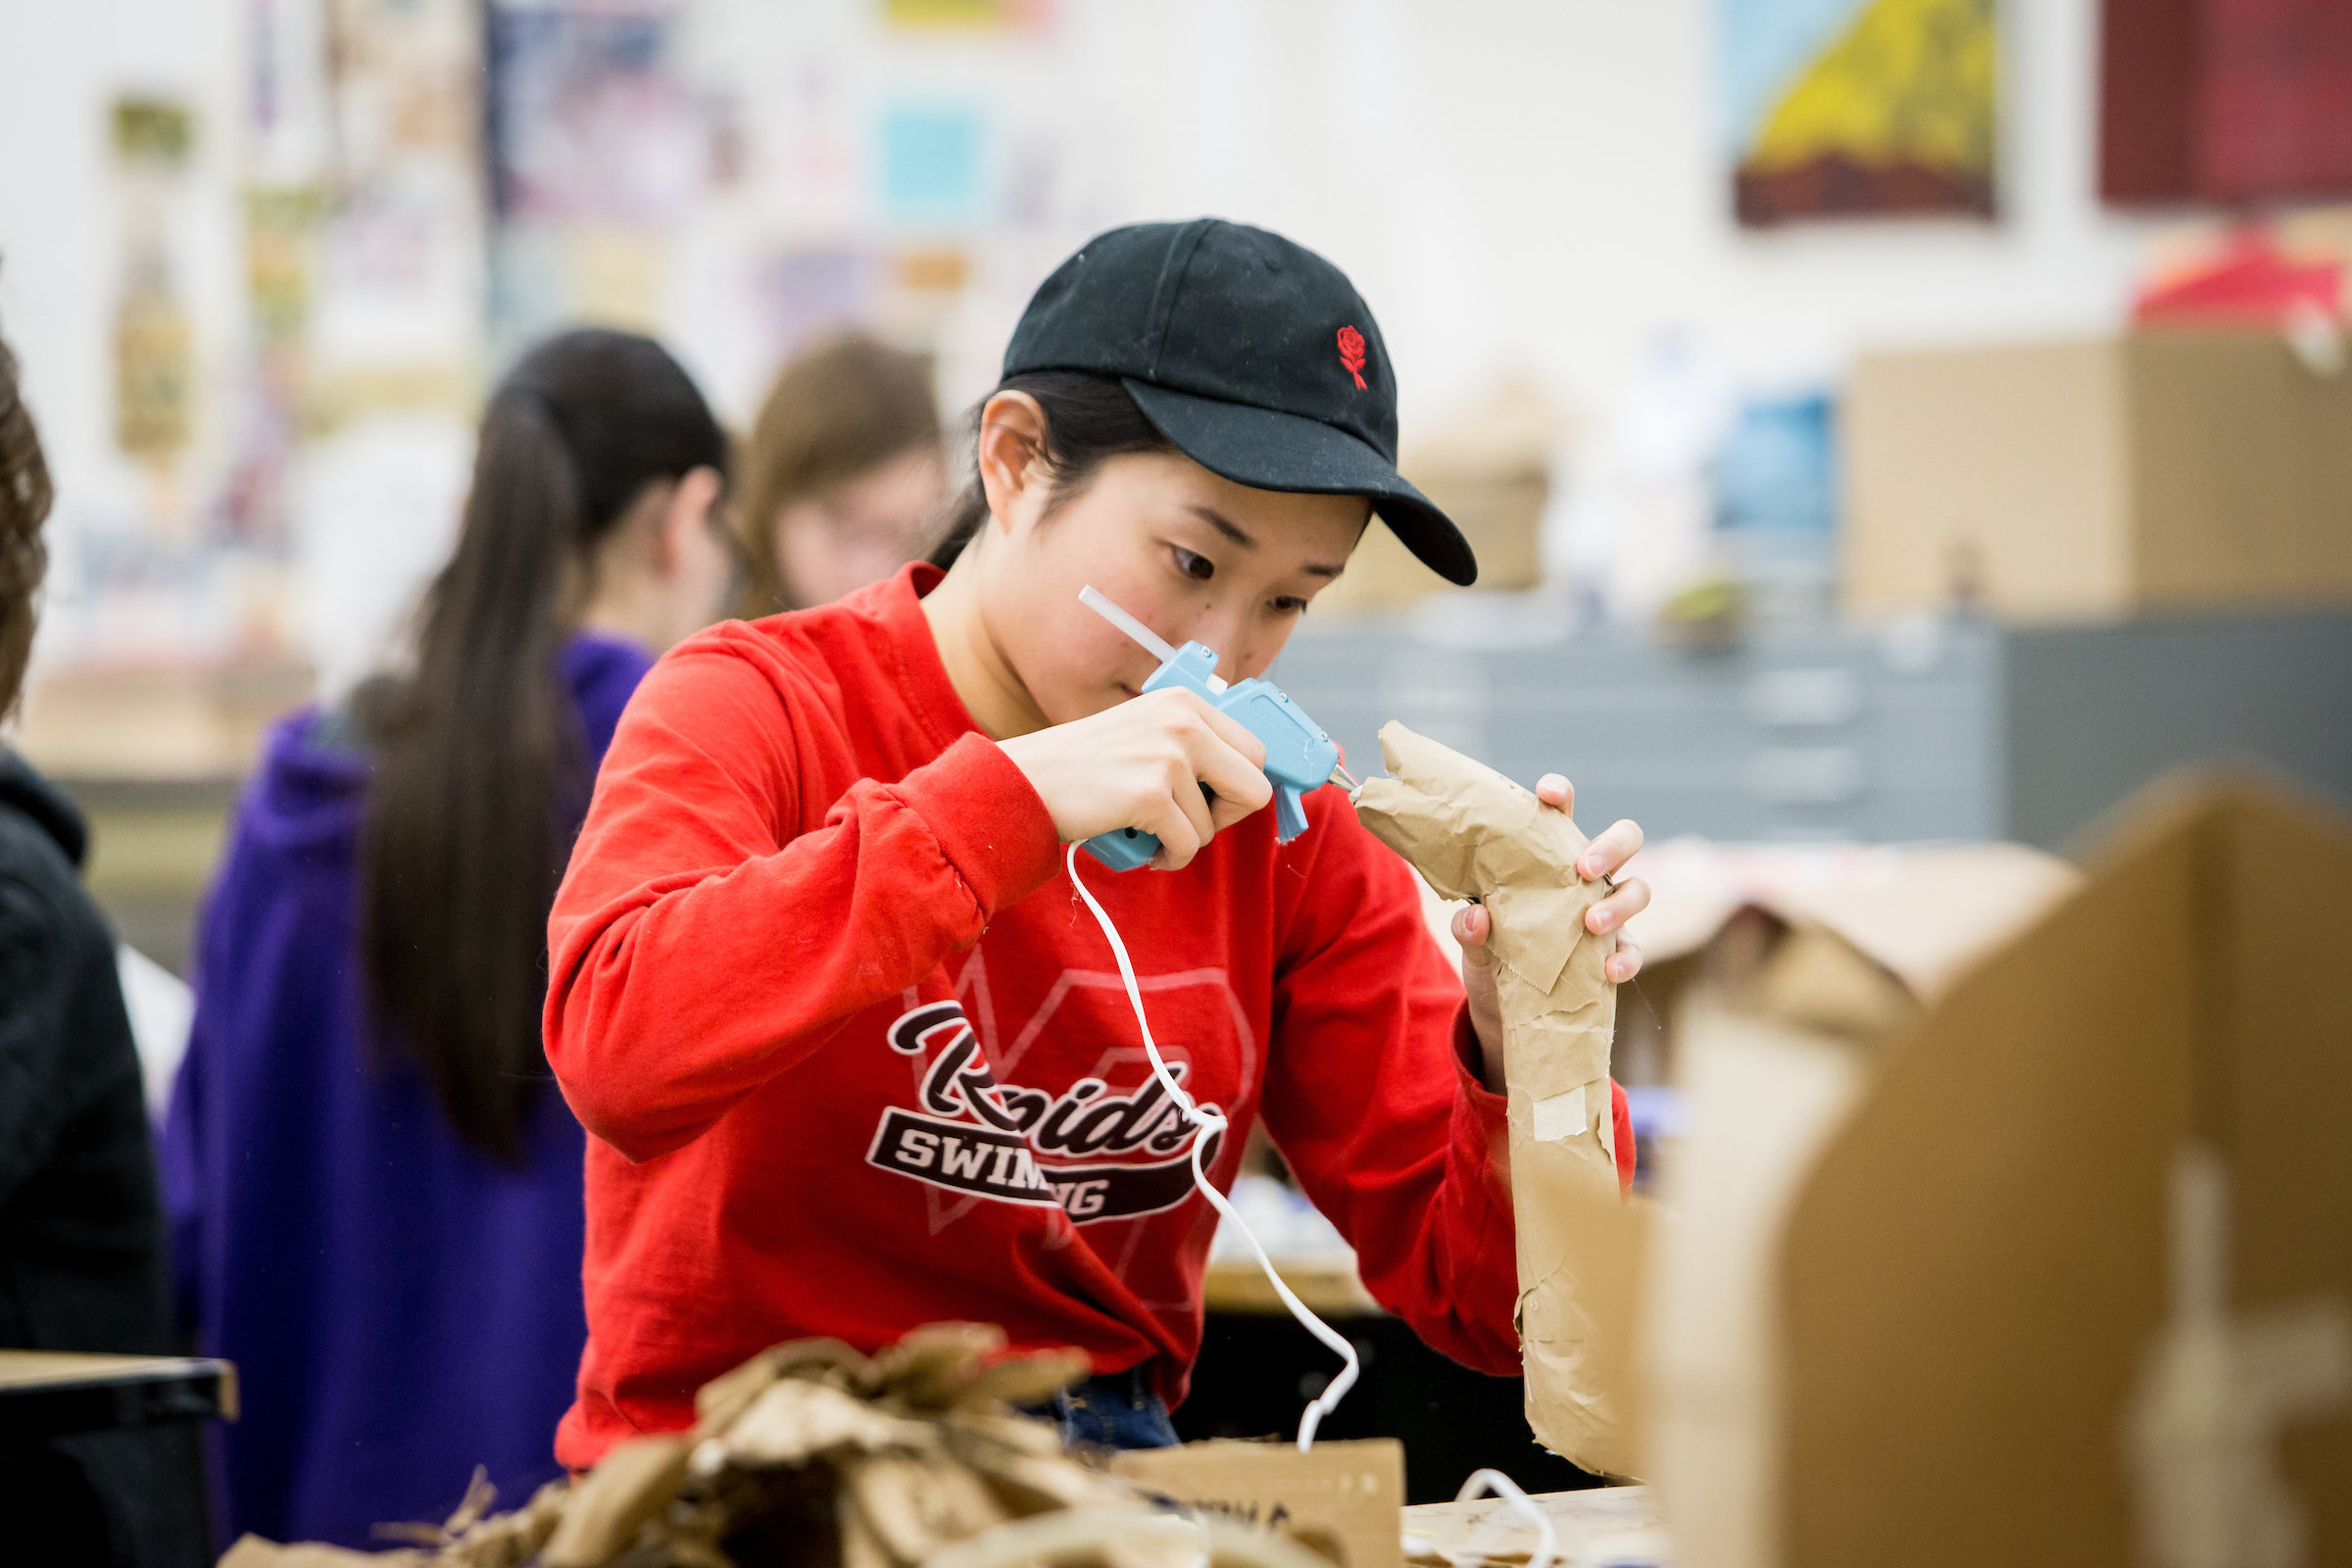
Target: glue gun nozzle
{"points": [[1345, 777]]}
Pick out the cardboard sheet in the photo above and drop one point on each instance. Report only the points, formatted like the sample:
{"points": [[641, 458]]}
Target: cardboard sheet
{"points": [[1801, 967], [1344, 1500], [1474, 834], [1975, 1286], [1764, 1094]]}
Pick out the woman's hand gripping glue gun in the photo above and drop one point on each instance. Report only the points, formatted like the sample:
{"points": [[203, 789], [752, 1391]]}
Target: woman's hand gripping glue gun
{"points": [[1299, 757]]}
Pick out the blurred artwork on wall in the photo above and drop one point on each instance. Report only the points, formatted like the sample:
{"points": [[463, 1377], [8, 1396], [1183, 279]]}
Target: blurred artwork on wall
{"points": [[932, 170], [154, 341], [805, 294], [590, 117], [967, 15], [1860, 108], [2225, 100], [600, 152]]}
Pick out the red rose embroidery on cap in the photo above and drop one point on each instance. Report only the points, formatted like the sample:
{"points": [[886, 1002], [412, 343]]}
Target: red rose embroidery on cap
{"points": [[1351, 354]]}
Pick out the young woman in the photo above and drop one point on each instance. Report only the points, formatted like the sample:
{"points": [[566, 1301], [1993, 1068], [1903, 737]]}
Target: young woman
{"points": [[841, 477], [853, 1058], [375, 1195]]}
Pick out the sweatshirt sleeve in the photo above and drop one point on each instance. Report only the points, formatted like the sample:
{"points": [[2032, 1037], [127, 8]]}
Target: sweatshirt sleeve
{"points": [[1370, 1097], [699, 945]]}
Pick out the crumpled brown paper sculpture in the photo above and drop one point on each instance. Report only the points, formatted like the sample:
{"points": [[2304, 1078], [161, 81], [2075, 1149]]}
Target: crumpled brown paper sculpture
{"points": [[811, 1455], [1475, 834]]}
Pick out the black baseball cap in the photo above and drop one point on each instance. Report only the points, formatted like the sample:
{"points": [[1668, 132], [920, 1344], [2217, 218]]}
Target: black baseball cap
{"points": [[1253, 354]]}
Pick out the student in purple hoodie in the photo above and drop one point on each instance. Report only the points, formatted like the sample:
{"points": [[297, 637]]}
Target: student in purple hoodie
{"points": [[374, 1191]]}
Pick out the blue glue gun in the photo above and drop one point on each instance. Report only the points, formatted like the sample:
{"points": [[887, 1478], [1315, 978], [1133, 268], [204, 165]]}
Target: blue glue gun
{"points": [[1299, 757]]}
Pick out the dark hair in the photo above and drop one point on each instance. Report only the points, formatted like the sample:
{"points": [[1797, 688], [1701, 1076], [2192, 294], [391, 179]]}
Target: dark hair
{"points": [[841, 409], [25, 498], [480, 778], [1090, 419]]}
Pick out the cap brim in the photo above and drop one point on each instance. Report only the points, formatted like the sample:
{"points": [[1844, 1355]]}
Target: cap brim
{"points": [[1268, 450]]}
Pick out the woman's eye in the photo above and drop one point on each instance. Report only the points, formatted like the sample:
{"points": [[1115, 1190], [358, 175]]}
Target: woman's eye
{"points": [[1288, 605], [1196, 567]]}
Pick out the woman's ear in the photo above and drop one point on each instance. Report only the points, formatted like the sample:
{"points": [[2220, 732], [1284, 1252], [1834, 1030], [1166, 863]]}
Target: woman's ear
{"points": [[1011, 456], [687, 528]]}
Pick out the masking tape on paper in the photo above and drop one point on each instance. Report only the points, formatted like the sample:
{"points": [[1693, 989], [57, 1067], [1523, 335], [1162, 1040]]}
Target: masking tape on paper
{"points": [[1558, 1116]]}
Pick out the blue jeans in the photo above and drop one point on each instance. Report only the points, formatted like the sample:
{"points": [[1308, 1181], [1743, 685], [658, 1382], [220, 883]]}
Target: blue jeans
{"points": [[1112, 1410]]}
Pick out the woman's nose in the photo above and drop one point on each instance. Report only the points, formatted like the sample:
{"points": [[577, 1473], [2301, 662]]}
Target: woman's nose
{"points": [[1225, 634]]}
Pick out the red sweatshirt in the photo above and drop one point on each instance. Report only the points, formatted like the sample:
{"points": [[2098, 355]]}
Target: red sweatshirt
{"points": [[854, 1058]]}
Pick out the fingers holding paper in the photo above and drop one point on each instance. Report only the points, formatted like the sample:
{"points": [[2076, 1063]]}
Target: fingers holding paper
{"points": [[1603, 856]]}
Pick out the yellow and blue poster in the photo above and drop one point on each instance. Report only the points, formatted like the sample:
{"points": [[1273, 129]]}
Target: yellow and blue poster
{"points": [[969, 15], [1861, 108]]}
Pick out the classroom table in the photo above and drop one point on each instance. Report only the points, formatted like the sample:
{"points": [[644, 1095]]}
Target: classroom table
{"points": [[1257, 1368], [55, 1394], [1330, 1289], [1603, 1527], [136, 1418]]}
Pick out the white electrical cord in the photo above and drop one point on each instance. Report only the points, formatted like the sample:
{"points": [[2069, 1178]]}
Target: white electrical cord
{"points": [[1548, 1540], [1206, 1121]]}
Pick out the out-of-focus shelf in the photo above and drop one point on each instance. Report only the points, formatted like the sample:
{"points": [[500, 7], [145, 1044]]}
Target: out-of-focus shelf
{"points": [[1919, 730], [1329, 1289], [165, 724]]}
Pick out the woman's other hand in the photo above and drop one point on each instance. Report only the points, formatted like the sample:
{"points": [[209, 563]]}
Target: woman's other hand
{"points": [[1603, 856]]}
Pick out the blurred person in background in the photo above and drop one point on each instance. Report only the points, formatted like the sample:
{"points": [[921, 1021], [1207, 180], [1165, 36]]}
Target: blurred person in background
{"points": [[376, 1196], [81, 1243], [842, 478]]}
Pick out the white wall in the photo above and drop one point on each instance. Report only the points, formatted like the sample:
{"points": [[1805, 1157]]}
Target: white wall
{"points": [[1514, 183], [1539, 186]]}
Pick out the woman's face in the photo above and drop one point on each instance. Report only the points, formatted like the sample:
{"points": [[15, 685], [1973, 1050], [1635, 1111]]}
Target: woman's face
{"points": [[860, 530], [1194, 557]]}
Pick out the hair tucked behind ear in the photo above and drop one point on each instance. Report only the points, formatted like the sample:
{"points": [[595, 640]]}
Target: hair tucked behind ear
{"points": [[479, 775], [24, 505], [1090, 419]]}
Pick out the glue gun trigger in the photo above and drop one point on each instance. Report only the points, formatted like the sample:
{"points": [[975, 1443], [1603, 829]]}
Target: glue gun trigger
{"points": [[1290, 814]]}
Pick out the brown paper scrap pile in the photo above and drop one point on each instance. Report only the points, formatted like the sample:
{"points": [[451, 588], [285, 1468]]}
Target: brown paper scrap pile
{"points": [[813, 1455], [1475, 834]]}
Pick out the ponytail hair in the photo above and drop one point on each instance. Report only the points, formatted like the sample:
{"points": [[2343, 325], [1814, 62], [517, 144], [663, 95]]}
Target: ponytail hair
{"points": [[481, 774], [1090, 419]]}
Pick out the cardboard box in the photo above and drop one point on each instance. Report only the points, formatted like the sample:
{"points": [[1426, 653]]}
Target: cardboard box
{"points": [[1985, 1278], [1488, 470], [1345, 1500], [1912, 916], [2162, 470], [2060, 1272], [1782, 975]]}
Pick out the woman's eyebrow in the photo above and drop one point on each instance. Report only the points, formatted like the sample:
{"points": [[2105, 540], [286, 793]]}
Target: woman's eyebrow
{"points": [[1223, 524], [1232, 531]]}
